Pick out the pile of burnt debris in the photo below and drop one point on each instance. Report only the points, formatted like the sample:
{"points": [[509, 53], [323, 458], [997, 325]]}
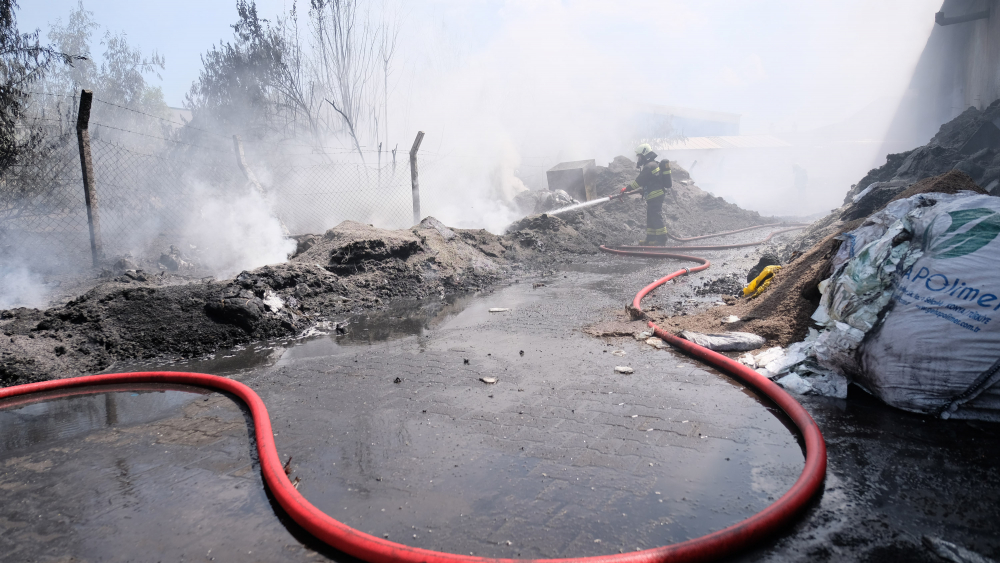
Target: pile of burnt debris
{"points": [[964, 155], [350, 268], [689, 210], [970, 143], [167, 311], [355, 267]]}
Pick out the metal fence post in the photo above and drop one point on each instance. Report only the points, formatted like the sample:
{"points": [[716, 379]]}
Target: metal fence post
{"points": [[89, 188], [413, 176]]}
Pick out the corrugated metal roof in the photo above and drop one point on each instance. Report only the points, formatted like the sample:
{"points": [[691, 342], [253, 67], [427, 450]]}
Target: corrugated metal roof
{"points": [[724, 142], [690, 113]]}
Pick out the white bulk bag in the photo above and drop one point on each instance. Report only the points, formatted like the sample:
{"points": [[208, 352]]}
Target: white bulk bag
{"points": [[937, 347]]}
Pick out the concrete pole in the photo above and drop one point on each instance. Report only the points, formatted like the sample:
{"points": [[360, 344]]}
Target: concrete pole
{"points": [[414, 177], [89, 187], [241, 161]]}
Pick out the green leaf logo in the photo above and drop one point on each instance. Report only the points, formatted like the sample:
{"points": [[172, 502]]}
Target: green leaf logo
{"points": [[970, 230]]}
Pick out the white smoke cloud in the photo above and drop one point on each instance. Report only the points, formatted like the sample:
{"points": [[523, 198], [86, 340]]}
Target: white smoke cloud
{"points": [[20, 287], [235, 233], [546, 81]]}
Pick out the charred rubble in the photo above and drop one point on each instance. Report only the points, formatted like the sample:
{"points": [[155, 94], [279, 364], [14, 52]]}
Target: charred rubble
{"points": [[351, 268], [963, 156]]}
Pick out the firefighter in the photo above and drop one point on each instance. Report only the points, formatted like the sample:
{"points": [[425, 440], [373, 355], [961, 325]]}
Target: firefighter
{"points": [[654, 181]]}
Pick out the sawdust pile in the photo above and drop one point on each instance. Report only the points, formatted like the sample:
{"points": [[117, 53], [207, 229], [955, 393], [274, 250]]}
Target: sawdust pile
{"points": [[782, 314]]}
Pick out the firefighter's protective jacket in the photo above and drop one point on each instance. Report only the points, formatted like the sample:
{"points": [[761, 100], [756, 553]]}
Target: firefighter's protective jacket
{"points": [[654, 179]]}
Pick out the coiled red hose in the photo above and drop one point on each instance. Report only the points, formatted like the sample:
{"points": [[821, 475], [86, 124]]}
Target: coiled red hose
{"points": [[378, 550]]}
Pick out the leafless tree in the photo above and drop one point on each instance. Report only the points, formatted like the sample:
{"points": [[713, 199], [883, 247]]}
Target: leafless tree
{"points": [[388, 35], [350, 50], [336, 83], [345, 48]]}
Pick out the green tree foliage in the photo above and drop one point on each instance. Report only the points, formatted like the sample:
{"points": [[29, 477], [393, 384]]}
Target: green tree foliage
{"points": [[253, 85], [40, 100], [23, 62], [119, 79], [268, 82]]}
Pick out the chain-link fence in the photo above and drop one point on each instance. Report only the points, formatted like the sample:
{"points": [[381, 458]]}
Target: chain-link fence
{"points": [[152, 185], [43, 218], [312, 198]]}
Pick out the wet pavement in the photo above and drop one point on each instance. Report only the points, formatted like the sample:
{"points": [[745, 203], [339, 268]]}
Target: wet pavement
{"points": [[392, 430]]}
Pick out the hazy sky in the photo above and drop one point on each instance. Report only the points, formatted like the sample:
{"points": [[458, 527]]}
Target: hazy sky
{"points": [[775, 62], [508, 88]]}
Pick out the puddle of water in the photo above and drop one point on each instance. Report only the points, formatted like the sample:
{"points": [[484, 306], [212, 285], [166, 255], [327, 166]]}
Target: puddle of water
{"points": [[550, 458], [453, 485], [55, 418], [405, 319]]}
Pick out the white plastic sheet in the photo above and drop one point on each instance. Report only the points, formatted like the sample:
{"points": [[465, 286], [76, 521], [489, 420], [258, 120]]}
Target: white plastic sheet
{"points": [[726, 342]]}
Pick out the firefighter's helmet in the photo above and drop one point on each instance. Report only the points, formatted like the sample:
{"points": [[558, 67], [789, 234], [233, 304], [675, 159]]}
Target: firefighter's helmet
{"points": [[643, 149]]}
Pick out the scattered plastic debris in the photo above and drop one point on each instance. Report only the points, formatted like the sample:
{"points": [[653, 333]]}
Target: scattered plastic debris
{"points": [[656, 343], [760, 283], [499, 309], [726, 342], [488, 379], [624, 370], [619, 353], [795, 384], [273, 301], [953, 553], [812, 379]]}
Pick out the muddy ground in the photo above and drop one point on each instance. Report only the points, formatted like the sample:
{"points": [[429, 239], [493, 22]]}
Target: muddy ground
{"points": [[347, 270], [667, 453], [391, 430], [354, 268]]}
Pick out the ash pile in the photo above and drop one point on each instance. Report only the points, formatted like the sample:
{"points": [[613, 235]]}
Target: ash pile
{"points": [[688, 210], [894, 291], [349, 269], [146, 309]]}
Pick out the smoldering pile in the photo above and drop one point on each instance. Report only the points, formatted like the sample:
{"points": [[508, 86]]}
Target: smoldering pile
{"points": [[349, 269], [689, 210], [795, 311]]}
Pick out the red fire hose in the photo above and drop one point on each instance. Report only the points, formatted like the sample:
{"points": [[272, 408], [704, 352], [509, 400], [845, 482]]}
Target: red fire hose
{"points": [[377, 550], [724, 233]]}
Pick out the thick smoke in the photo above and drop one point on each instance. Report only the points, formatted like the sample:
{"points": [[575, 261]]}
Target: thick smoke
{"points": [[231, 234], [526, 85], [20, 287], [505, 90]]}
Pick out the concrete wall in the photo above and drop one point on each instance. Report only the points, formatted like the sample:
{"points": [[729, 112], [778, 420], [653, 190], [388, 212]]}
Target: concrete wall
{"points": [[959, 68], [981, 69]]}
